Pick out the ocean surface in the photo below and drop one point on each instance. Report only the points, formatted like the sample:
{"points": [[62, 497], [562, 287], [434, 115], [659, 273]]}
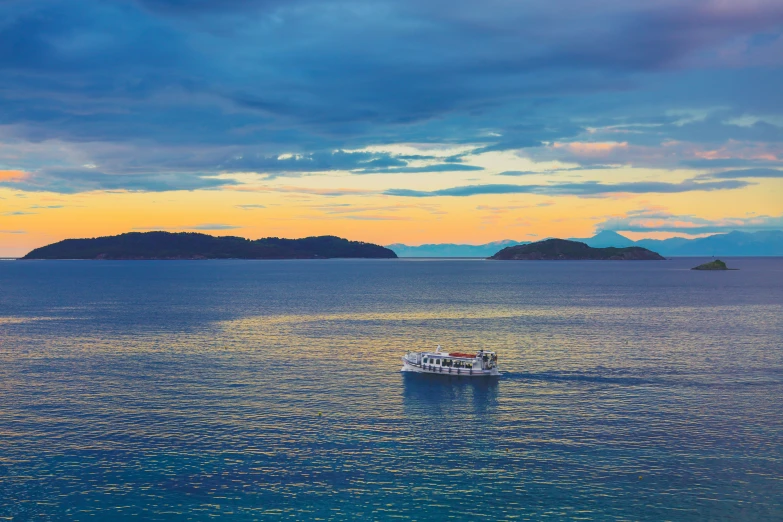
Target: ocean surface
{"points": [[271, 390]]}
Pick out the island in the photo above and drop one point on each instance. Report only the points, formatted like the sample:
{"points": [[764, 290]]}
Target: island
{"points": [[189, 245], [713, 265], [562, 249]]}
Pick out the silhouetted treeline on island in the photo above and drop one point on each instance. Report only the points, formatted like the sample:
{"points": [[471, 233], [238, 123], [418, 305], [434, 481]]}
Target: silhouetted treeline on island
{"points": [[189, 245], [562, 249]]}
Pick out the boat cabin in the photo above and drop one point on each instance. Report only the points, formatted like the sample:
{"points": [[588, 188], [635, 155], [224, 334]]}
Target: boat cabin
{"points": [[454, 362]]}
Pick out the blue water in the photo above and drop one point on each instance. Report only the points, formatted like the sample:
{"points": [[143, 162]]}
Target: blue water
{"points": [[271, 391]]}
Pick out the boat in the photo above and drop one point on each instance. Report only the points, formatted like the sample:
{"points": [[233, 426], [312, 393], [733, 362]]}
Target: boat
{"points": [[483, 363]]}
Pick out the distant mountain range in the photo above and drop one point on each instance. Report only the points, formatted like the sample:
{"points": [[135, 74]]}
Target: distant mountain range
{"points": [[767, 243], [453, 250]]}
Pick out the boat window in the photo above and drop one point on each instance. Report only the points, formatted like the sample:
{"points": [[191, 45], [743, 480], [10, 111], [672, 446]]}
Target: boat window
{"points": [[437, 362]]}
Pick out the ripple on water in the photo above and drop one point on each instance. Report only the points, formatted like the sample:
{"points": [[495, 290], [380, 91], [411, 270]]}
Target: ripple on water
{"points": [[173, 391]]}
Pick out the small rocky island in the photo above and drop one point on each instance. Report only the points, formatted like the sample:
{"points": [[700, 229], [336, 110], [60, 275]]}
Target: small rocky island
{"points": [[562, 249], [713, 265], [189, 245]]}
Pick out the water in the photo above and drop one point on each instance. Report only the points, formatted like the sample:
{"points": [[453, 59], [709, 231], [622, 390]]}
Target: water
{"points": [[271, 390]]}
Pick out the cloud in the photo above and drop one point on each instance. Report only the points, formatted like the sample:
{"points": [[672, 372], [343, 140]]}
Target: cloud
{"points": [[660, 152], [75, 180], [519, 173], [515, 136], [19, 213], [440, 167], [590, 188], [729, 162], [250, 207], [353, 209], [203, 226], [743, 174], [214, 226], [337, 191], [12, 232], [357, 162], [658, 220], [209, 7], [378, 218], [506, 208], [319, 161], [555, 171]]}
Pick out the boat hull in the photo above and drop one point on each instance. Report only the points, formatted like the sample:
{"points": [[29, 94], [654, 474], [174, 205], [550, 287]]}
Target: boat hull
{"points": [[408, 366]]}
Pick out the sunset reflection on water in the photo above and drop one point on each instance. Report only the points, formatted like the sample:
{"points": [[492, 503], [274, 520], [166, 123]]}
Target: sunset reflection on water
{"points": [[273, 390]]}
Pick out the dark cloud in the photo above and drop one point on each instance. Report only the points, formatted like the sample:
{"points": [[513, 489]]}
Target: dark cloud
{"points": [[715, 129], [209, 6], [358, 162], [575, 189], [69, 181], [232, 85], [519, 136]]}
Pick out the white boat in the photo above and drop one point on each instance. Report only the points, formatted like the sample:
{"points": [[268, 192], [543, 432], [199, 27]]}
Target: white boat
{"points": [[480, 364]]}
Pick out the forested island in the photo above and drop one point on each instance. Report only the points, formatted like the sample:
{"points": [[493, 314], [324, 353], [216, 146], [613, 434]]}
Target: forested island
{"points": [[562, 249], [189, 245]]}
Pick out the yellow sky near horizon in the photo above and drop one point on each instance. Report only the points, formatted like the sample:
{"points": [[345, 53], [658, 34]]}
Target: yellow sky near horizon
{"points": [[302, 206]]}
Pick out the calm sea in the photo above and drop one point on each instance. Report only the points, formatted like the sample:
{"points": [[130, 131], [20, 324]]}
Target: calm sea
{"points": [[271, 390]]}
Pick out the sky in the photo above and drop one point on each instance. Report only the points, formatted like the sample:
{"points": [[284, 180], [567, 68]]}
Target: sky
{"points": [[405, 121]]}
